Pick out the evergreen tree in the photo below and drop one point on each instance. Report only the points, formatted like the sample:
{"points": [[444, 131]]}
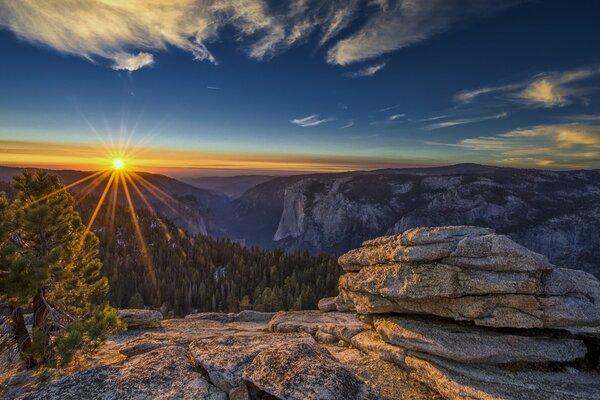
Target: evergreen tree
{"points": [[136, 301], [49, 264]]}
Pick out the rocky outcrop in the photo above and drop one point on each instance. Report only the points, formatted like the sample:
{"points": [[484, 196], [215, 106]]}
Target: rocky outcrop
{"points": [[470, 344], [160, 373], [333, 326], [467, 274], [472, 314], [299, 371]]}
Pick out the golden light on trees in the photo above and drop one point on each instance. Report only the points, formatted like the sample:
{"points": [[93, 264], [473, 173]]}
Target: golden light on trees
{"points": [[114, 185]]}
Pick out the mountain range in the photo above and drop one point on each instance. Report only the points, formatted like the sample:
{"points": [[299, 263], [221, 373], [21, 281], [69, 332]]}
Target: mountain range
{"points": [[555, 213]]}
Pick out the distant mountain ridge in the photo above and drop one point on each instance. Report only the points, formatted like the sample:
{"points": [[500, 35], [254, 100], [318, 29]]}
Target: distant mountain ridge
{"points": [[232, 186], [556, 213], [189, 207]]}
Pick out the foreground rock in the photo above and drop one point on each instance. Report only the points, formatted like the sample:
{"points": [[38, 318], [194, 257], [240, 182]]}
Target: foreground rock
{"points": [[225, 358], [161, 373], [513, 327], [329, 327], [300, 371], [470, 344], [467, 274], [135, 318]]}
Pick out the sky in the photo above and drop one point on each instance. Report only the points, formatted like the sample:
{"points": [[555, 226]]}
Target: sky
{"points": [[226, 87]]}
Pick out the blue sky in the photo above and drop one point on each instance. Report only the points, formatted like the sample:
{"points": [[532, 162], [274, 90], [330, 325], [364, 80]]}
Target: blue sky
{"points": [[256, 86]]}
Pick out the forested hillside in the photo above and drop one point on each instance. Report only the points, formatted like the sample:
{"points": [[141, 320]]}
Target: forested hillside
{"points": [[200, 273]]}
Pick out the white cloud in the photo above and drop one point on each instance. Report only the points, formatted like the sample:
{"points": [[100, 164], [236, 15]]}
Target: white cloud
{"points": [[213, 88], [347, 125], [311, 120], [396, 116], [398, 24], [463, 121], [122, 31], [389, 108], [550, 89], [367, 71], [436, 117], [129, 62], [468, 96]]}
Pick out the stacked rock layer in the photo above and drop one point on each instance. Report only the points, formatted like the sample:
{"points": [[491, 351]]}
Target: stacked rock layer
{"points": [[462, 307]]}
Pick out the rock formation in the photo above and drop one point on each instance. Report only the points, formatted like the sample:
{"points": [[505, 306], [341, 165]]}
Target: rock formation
{"points": [[432, 313], [459, 306]]}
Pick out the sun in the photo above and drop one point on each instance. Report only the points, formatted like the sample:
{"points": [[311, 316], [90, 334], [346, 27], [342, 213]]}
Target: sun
{"points": [[118, 163]]}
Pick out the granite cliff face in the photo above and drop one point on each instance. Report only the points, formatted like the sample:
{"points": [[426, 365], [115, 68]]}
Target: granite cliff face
{"points": [[556, 214]]}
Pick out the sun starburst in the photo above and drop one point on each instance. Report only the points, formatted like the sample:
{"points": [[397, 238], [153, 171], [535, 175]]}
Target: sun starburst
{"points": [[114, 183], [118, 163]]}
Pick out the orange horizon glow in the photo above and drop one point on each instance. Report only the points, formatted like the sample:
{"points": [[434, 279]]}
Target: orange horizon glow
{"points": [[94, 157]]}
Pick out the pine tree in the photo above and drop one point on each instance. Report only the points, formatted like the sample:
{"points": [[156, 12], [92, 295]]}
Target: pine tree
{"points": [[136, 301], [48, 263]]}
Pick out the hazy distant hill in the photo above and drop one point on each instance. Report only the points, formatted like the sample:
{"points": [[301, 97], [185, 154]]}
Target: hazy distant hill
{"points": [[189, 207], [554, 213], [232, 186]]}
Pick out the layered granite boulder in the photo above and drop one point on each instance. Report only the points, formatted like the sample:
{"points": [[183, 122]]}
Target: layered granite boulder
{"points": [[466, 274]]}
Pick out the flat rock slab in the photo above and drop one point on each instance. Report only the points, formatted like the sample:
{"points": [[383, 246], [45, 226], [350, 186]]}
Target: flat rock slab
{"points": [[465, 246], [457, 381], [135, 318], [242, 316], [162, 373], [341, 325], [424, 281], [493, 310], [299, 371], [470, 344], [387, 379], [225, 357]]}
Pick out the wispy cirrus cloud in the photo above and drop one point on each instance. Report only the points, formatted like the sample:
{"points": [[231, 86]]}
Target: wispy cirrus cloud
{"points": [[398, 24], [130, 33], [367, 71], [549, 89], [384, 109], [463, 121], [348, 124], [310, 121], [396, 116]]}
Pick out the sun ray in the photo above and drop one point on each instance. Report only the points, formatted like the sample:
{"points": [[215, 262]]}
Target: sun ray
{"points": [[157, 192], [62, 189], [140, 194], [113, 208], [99, 205], [140, 237], [89, 188], [148, 205]]}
